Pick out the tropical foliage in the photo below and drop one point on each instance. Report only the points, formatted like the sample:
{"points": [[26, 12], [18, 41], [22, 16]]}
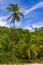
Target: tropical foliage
{"points": [[28, 46]]}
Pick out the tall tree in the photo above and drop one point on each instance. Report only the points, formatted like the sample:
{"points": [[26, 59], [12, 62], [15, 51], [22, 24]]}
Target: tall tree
{"points": [[15, 16], [15, 13]]}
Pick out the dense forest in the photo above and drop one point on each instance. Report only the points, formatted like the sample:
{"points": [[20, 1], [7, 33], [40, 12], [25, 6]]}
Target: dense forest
{"points": [[28, 46]]}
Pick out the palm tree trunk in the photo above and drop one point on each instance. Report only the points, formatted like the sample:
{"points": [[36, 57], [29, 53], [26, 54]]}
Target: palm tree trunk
{"points": [[29, 60], [13, 36]]}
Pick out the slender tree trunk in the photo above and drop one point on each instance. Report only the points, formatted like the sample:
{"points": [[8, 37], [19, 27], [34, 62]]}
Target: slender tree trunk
{"points": [[29, 60], [13, 36]]}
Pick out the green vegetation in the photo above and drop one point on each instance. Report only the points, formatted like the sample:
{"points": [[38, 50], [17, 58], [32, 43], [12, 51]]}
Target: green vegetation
{"points": [[14, 8], [28, 46]]}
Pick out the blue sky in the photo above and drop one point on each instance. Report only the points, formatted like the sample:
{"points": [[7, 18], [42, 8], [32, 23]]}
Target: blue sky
{"points": [[32, 9]]}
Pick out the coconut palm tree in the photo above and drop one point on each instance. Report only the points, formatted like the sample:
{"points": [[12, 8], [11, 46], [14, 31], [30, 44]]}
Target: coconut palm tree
{"points": [[32, 49], [15, 13], [15, 16]]}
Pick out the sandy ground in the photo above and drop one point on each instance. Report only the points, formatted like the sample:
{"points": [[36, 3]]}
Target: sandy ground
{"points": [[34, 64], [22, 64]]}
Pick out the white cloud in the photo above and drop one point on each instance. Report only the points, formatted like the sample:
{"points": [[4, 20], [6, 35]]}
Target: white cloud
{"points": [[40, 4], [18, 24], [38, 24], [27, 27], [3, 21], [34, 25], [3, 17]]}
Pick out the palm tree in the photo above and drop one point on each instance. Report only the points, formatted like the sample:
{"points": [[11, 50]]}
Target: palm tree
{"points": [[32, 49], [15, 13], [15, 16]]}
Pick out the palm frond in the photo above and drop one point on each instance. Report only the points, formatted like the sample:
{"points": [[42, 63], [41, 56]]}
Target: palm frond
{"points": [[14, 6], [9, 9], [21, 15], [17, 18], [9, 16], [34, 47]]}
